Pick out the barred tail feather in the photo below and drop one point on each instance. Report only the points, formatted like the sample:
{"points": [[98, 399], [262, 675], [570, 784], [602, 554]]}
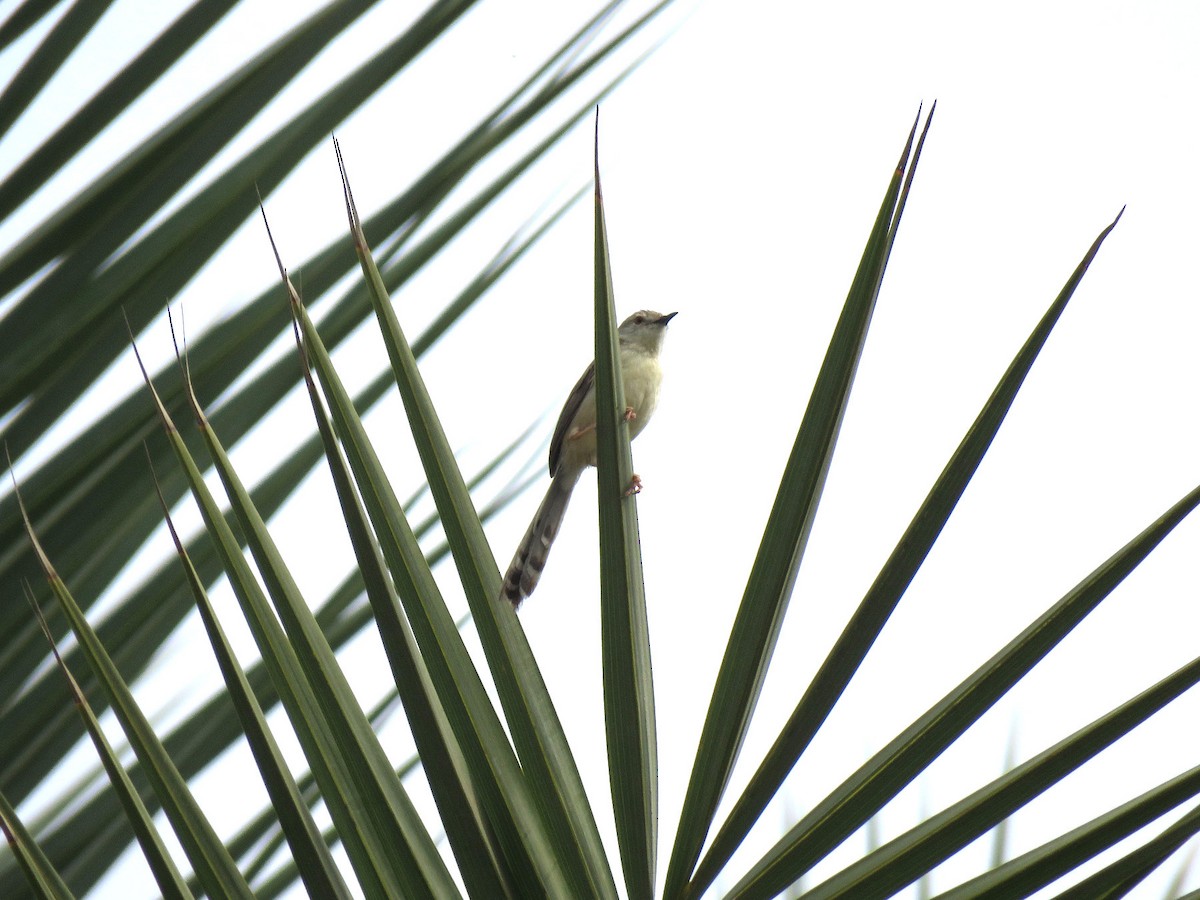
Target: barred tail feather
{"points": [[530, 558]]}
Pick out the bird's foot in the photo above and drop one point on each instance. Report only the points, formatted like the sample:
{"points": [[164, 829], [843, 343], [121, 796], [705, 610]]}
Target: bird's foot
{"points": [[635, 486], [630, 415], [577, 433]]}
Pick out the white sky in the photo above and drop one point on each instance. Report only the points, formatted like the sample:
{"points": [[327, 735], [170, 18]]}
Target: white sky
{"points": [[743, 166]]}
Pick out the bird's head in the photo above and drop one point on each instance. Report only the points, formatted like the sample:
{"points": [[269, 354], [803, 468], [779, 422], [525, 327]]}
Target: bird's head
{"points": [[645, 329]]}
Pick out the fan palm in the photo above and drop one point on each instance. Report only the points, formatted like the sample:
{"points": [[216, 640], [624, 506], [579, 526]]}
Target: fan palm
{"points": [[506, 789]]}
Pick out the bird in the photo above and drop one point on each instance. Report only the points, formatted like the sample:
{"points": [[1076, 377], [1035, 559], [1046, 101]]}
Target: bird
{"points": [[573, 446]]}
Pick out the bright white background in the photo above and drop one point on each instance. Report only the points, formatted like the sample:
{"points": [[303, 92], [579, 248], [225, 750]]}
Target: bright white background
{"points": [[743, 165]]}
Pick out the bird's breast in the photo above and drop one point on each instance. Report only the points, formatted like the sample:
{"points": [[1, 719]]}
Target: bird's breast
{"points": [[642, 377]]}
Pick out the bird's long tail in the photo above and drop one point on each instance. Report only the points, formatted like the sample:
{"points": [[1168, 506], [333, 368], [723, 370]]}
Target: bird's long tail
{"points": [[530, 558]]}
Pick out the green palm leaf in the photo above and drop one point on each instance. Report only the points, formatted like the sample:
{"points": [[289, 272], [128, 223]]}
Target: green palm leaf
{"points": [[769, 587], [509, 815], [216, 869], [872, 614], [625, 634]]}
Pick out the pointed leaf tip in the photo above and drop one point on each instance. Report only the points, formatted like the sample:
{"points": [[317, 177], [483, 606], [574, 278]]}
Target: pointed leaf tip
{"points": [[271, 237], [599, 195], [356, 232]]}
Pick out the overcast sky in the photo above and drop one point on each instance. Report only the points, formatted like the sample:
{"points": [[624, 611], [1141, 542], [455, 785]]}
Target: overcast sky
{"points": [[743, 166]]}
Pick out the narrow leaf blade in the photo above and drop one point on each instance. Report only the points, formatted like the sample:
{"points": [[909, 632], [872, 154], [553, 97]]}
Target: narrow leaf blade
{"points": [[769, 587], [889, 586], [625, 636]]}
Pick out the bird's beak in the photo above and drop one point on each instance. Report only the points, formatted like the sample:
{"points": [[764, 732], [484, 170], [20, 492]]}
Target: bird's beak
{"points": [[667, 318]]}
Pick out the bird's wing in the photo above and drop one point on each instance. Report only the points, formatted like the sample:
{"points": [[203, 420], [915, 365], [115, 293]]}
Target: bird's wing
{"points": [[567, 416]]}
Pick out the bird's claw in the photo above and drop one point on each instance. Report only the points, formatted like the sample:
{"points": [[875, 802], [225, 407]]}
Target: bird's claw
{"points": [[635, 486]]}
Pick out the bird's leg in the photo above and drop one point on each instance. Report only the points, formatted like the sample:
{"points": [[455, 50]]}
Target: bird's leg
{"points": [[577, 433], [635, 483]]}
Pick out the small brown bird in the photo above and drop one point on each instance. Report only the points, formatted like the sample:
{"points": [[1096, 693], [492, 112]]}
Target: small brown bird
{"points": [[573, 447]]}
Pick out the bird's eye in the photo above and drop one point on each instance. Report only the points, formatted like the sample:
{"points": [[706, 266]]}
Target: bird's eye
{"points": [[638, 320]]}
